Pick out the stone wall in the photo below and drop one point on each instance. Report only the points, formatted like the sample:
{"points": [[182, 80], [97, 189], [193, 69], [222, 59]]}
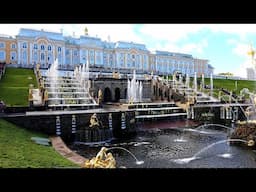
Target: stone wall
{"points": [[118, 85], [47, 123]]}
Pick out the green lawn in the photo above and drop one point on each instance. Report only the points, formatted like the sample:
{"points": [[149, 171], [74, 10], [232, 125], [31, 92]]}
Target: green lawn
{"points": [[15, 84], [229, 84], [17, 150]]}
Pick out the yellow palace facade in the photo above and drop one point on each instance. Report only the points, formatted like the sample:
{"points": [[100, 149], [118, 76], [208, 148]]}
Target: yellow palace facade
{"points": [[31, 46]]}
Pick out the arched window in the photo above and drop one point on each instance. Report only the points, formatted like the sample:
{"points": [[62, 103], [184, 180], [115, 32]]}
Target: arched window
{"points": [[59, 49], [13, 46], [42, 47], [42, 56], [13, 55], [49, 47], [24, 45], [35, 46]]}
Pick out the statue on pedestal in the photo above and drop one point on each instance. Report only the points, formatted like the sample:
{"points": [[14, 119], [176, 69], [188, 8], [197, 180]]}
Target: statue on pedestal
{"points": [[94, 122], [100, 97]]}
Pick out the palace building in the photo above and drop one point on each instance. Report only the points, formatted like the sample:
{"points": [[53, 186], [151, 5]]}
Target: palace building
{"points": [[31, 47]]}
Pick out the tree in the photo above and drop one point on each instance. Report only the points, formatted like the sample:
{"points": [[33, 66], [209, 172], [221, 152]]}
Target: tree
{"points": [[226, 74]]}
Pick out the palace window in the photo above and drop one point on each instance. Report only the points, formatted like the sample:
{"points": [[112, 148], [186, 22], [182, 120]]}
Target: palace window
{"points": [[42, 56], [13, 55], [13, 46], [121, 59], [24, 45], [111, 60], [2, 55], [35, 56], [59, 49], [145, 63], [42, 47], [35, 46], [49, 47], [24, 55], [105, 58], [98, 57], [2, 44], [137, 61], [91, 57], [129, 60]]}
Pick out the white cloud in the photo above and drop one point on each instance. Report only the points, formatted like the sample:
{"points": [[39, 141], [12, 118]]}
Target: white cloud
{"points": [[239, 29], [169, 32], [232, 41], [241, 50], [189, 48], [241, 70]]}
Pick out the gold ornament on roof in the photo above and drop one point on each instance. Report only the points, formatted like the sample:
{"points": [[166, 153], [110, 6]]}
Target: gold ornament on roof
{"points": [[85, 31], [251, 51]]}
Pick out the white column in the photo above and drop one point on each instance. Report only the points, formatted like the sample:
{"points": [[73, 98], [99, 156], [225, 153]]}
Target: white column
{"points": [[30, 53], [53, 53], [71, 57], [64, 57], [101, 58], [141, 59], [156, 63], [19, 52], [116, 64], [81, 56]]}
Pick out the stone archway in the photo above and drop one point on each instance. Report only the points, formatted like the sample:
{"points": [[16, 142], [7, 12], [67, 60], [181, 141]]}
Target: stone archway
{"points": [[117, 94], [107, 95]]}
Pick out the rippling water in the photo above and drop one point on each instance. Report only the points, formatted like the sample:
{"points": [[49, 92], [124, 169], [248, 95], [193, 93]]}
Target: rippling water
{"points": [[175, 149]]}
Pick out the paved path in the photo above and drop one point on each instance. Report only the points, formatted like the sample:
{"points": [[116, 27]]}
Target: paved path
{"points": [[61, 147]]}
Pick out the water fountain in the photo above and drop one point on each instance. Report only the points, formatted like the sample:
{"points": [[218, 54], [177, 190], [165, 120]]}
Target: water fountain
{"points": [[187, 81], [53, 74], [196, 155], [195, 83], [212, 124], [197, 129], [202, 84], [66, 91], [136, 160], [106, 160], [134, 90], [211, 84]]}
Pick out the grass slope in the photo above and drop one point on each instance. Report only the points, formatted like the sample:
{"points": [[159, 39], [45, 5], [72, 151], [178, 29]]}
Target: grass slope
{"points": [[17, 150], [15, 84], [229, 84]]}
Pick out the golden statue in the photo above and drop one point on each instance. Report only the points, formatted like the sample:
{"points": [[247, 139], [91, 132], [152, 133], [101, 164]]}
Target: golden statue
{"points": [[102, 160], [30, 95], [37, 67], [251, 143], [99, 96], [94, 122], [251, 53], [45, 95]]}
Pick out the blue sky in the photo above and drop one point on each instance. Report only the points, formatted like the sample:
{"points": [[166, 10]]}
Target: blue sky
{"points": [[224, 45]]}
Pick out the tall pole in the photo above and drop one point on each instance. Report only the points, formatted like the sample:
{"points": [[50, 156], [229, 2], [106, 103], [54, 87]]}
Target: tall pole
{"points": [[251, 53]]}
